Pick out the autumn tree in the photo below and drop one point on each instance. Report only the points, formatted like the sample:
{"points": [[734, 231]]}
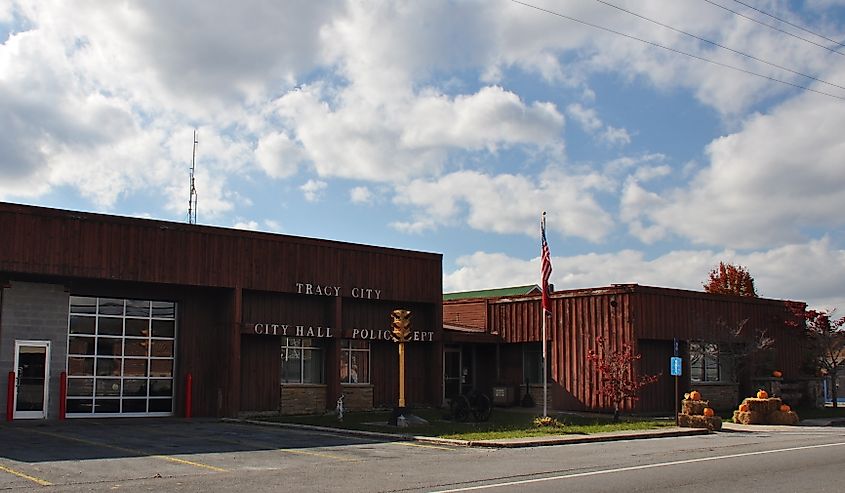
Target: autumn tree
{"points": [[618, 379], [825, 342], [730, 279]]}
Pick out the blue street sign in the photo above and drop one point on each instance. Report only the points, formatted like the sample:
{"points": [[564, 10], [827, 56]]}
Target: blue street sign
{"points": [[675, 366]]}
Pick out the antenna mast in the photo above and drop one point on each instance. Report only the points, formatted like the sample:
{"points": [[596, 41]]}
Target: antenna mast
{"points": [[192, 194]]}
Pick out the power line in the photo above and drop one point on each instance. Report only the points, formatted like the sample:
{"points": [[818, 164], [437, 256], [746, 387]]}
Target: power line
{"points": [[740, 14], [790, 23], [667, 48], [752, 57]]}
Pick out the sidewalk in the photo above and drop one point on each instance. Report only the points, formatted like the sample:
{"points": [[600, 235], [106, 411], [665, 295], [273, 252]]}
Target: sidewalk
{"points": [[504, 443]]}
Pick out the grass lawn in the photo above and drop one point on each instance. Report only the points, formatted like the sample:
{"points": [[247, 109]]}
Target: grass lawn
{"points": [[503, 423], [825, 412]]}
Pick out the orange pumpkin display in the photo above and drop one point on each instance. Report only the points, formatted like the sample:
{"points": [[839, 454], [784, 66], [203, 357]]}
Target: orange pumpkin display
{"points": [[695, 395], [762, 394], [784, 408], [743, 408], [709, 412]]}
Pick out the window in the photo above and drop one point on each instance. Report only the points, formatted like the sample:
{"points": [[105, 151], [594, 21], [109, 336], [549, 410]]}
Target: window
{"points": [[709, 362], [532, 362], [354, 361], [302, 361], [120, 356]]}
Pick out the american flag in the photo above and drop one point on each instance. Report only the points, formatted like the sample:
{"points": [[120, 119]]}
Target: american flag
{"points": [[546, 265]]}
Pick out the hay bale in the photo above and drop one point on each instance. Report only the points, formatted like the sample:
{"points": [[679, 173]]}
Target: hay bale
{"points": [[783, 418], [762, 406], [750, 417], [698, 421], [694, 408]]}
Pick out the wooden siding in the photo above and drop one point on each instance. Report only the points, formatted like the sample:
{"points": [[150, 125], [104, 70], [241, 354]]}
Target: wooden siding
{"points": [[43, 241], [260, 377], [466, 313], [628, 314]]}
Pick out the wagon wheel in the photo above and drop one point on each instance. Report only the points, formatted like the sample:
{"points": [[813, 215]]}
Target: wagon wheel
{"points": [[461, 409], [482, 409]]}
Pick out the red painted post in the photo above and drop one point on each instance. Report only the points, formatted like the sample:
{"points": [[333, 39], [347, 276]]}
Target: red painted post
{"points": [[10, 397], [189, 381], [63, 395]]}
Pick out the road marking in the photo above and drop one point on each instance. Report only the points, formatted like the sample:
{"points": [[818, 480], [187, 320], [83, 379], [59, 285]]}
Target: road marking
{"points": [[129, 450], [422, 445], [316, 454], [19, 474], [634, 468]]}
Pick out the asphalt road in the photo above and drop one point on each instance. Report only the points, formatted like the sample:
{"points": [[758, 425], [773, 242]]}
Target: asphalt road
{"points": [[208, 456]]}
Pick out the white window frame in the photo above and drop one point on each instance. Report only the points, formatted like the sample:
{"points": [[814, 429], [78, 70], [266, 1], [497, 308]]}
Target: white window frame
{"points": [[346, 353], [287, 347]]}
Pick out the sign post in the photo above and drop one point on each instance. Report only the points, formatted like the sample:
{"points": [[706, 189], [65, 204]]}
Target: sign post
{"points": [[675, 363]]}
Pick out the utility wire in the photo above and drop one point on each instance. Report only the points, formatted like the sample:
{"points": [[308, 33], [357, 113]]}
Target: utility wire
{"points": [[667, 48], [789, 23], [679, 31], [740, 14]]}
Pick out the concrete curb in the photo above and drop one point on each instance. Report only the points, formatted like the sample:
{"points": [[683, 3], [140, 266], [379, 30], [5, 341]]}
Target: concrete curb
{"points": [[507, 443]]}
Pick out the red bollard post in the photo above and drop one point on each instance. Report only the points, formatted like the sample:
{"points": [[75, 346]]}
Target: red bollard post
{"points": [[189, 383], [63, 395], [10, 397]]}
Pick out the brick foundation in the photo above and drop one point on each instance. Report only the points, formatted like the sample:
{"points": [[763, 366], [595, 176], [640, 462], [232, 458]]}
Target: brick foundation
{"points": [[303, 399], [357, 397]]}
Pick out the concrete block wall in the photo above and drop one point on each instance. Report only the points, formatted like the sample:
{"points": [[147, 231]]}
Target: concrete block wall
{"points": [[34, 312]]}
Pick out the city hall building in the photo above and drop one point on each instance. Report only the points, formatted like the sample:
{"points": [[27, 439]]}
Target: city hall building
{"points": [[114, 316]]}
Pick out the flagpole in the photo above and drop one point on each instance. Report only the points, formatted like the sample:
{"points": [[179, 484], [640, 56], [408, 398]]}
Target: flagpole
{"points": [[545, 356], [545, 370]]}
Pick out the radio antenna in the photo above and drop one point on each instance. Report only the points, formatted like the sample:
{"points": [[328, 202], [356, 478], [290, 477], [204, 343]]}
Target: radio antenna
{"points": [[192, 193]]}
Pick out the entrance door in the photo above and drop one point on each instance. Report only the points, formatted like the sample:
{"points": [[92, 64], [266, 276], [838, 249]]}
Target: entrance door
{"points": [[451, 373], [32, 376]]}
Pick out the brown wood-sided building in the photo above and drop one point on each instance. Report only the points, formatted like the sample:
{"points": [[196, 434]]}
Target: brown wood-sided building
{"points": [[501, 330], [130, 308]]}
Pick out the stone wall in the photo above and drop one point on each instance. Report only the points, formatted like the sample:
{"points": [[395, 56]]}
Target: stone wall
{"points": [[357, 397], [34, 312], [303, 399], [722, 396]]}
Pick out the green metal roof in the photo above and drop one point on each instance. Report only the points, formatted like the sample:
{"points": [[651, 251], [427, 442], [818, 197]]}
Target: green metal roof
{"points": [[492, 293]]}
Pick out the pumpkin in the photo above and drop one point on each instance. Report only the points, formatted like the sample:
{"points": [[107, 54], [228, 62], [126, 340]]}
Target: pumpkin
{"points": [[762, 394], [777, 374], [709, 412], [785, 408], [743, 408], [695, 395]]}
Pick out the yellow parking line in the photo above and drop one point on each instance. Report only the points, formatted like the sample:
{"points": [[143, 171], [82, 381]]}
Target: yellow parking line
{"points": [[422, 445], [129, 450], [19, 474], [317, 454]]}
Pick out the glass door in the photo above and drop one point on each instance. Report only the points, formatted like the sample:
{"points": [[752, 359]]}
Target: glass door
{"points": [[32, 376], [451, 373]]}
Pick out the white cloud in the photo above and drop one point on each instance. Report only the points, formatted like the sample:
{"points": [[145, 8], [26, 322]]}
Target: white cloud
{"points": [[766, 184], [313, 190], [248, 225], [508, 204], [277, 155], [812, 272], [591, 123], [360, 195]]}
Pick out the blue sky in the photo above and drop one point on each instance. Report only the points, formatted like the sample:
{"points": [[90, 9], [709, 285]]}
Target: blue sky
{"points": [[448, 127]]}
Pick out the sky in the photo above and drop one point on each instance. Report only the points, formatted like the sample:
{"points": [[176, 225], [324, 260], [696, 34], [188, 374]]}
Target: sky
{"points": [[661, 137]]}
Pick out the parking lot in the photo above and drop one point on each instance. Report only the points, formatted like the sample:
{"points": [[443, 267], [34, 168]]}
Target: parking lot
{"points": [[106, 454]]}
